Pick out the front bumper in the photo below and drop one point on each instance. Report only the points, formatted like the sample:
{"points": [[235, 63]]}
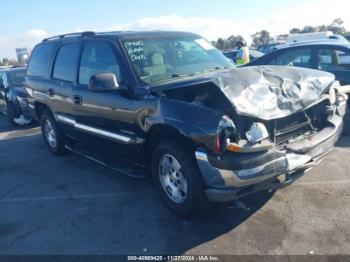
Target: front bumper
{"points": [[235, 175]]}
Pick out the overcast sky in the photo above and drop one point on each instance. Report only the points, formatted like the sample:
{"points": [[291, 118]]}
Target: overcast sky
{"points": [[23, 23]]}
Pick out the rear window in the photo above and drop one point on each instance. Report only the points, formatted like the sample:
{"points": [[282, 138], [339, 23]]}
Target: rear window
{"points": [[65, 63], [40, 59]]}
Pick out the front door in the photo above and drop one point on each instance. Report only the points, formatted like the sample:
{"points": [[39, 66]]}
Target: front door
{"points": [[105, 119]]}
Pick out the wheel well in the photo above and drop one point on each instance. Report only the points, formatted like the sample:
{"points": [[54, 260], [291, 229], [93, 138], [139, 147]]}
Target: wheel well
{"points": [[39, 109], [159, 132]]}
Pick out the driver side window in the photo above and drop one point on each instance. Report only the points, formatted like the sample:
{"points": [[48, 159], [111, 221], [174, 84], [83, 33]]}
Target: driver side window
{"points": [[298, 57], [97, 57]]}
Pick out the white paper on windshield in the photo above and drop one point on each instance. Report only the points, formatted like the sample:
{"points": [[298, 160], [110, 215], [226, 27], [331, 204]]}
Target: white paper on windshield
{"points": [[204, 44]]}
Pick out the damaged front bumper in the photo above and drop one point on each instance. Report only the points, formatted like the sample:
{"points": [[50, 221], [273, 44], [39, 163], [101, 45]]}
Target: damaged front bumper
{"points": [[235, 175]]}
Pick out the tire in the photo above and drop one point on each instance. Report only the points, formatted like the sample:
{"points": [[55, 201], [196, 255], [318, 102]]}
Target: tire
{"points": [[11, 113], [188, 177], [53, 136]]}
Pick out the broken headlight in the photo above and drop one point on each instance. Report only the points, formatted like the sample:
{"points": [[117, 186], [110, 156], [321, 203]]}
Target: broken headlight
{"points": [[225, 133], [257, 133]]}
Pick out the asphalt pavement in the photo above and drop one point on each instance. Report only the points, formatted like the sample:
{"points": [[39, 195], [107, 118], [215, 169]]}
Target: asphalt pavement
{"points": [[70, 205]]}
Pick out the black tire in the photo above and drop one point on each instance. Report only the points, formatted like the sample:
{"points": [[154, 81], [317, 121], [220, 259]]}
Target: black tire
{"points": [[195, 201], [11, 113], [57, 148]]}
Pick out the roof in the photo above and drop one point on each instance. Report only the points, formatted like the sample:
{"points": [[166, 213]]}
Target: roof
{"points": [[121, 35], [321, 43], [12, 69]]}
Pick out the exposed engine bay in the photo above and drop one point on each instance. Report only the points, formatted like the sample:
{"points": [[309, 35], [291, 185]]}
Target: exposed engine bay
{"points": [[265, 104]]}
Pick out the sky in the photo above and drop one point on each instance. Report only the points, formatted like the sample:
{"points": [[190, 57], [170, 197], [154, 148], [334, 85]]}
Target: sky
{"points": [[23, 23]]}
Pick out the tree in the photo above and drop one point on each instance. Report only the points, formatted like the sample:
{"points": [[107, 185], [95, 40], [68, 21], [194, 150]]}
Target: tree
{"points": [[261, 38], [295, 31], [308, 29], [337, 26], [220, 43]]}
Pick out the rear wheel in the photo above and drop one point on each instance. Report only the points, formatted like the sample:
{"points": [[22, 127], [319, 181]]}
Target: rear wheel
{"points": [[53, 136], [178, 179], [12, 113]]}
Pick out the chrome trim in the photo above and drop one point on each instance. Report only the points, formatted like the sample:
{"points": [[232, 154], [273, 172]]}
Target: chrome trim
{"points": [[93, 130], [66, 120], [102, 132]]}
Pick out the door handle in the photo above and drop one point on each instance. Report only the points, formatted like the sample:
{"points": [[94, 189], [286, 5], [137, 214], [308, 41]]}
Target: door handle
{"points": [[51, 92], [77, 99]]}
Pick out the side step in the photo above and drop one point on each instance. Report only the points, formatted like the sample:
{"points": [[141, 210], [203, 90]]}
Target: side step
{"points": [[116, 164]]}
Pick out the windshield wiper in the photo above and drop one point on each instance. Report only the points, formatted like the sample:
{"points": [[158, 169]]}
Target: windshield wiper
{"points": [[168, 76], [214, 69]]}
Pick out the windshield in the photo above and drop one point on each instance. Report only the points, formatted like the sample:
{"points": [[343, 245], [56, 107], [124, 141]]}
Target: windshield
{"points": [[18, 77], [159, 60]]}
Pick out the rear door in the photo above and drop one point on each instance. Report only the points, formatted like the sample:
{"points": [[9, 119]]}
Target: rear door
{"points": [[63, 79], [335, 60]]}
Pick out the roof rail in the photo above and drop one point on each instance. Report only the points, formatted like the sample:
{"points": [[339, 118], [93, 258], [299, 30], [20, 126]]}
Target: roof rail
{"points": [[86, 33]]}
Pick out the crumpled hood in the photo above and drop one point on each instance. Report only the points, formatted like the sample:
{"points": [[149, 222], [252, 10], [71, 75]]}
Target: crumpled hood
{"points": [[271, 92]]}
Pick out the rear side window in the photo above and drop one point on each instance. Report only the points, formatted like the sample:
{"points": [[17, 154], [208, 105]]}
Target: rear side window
{"points": [[298, 57], [333, 59], [97, 58], [40, 60], [65, 64]]}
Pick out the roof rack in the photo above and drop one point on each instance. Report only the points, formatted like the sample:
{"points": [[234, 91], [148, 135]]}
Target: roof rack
{"points": [[86, 33]]}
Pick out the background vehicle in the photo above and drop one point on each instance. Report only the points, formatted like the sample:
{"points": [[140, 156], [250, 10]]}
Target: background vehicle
{"points": [[13, 101], [232, 54], [318, 36], [169, 102], [331, 57], [268, 48]]}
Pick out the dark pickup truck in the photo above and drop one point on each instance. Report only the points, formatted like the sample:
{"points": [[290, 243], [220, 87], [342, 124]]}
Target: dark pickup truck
{"points": [[170, 104]]}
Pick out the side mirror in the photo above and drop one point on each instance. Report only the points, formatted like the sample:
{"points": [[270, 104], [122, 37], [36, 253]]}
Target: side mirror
{"points": [[104, 82]]}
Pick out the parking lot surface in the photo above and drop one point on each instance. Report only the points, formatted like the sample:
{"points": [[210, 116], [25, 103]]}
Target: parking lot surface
{"points": [[69, 205]]}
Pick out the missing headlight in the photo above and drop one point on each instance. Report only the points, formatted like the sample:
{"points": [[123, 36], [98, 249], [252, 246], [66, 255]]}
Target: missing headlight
{"points": [[257, 133]]}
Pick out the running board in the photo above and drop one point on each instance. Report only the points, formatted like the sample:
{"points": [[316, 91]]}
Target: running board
{"points": [[117, 164]]}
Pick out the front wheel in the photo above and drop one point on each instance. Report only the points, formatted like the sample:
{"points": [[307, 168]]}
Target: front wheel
{"points": [[53, 136], [178, 179]]}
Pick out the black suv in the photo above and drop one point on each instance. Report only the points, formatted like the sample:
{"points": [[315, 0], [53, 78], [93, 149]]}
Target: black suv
{"points": [[13, 98], [170, 103]]}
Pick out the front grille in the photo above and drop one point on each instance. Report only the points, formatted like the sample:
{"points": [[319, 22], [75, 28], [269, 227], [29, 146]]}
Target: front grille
{"points": [[306, 122]]}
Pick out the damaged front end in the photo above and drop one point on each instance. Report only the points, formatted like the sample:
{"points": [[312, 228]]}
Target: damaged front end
{"points": [[281, 123]]}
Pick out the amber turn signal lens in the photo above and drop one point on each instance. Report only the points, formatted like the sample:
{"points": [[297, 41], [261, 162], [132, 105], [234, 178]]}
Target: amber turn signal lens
{"points": [[233, 148]]}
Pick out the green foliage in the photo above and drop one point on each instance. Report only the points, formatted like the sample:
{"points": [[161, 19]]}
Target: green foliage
{"points": [[263, 37]]}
